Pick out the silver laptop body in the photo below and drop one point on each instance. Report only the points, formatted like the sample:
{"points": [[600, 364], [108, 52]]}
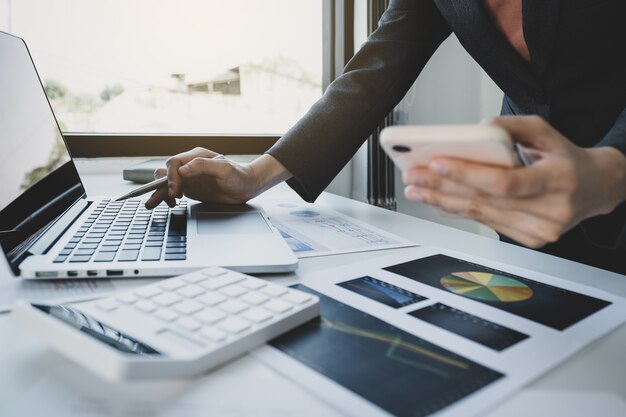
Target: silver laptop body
{"points": [[50, 229]]}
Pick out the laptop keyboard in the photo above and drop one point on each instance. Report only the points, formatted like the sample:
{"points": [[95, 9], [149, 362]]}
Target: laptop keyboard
{"points": [[125, 231]]}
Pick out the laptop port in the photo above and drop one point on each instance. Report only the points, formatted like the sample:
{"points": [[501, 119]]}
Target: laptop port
{"points": [[72, 273], [92, 273], [115, 272], [46, 274]]}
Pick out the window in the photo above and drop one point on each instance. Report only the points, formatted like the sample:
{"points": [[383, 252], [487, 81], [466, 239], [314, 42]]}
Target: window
{"points": [[236, 67]]}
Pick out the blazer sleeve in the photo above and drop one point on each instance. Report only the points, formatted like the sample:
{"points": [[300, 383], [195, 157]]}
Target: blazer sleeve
{"points": [[609, 230], [373, 82]]}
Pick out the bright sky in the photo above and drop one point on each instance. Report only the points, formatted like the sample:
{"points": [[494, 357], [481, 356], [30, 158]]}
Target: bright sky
{"points": [[88, 43]]}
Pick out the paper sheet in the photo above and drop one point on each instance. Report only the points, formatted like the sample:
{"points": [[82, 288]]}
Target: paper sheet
{"points": [[311, 230], [12, 288], [434, 331]]}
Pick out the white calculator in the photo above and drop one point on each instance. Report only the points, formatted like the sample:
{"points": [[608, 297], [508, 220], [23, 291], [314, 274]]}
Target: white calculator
{"points": [[174, 328]]}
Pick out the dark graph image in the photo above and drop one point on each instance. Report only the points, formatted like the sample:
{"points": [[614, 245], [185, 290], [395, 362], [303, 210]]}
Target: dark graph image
{"points": [[399, 372], [381, 291], [542, 303], [479, 330]]}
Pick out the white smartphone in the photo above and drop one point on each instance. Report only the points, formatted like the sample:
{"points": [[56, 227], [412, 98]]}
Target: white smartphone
{"points": [[411, 146]]}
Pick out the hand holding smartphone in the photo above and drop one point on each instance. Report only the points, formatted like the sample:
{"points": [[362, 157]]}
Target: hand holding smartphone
{"points": [[411, 146]]}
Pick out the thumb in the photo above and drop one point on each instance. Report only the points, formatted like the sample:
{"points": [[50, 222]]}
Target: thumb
{"points": [[531, 131]]}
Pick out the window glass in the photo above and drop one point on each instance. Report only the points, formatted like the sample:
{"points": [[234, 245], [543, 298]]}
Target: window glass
{"points": [[174, 66]]}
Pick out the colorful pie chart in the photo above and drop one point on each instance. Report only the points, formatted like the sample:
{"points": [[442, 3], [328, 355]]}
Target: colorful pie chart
{"points": [[486, 287]]}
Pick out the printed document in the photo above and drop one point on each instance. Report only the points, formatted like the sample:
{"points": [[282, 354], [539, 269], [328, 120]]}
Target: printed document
{"points": [[311, 230], [431, 331]]}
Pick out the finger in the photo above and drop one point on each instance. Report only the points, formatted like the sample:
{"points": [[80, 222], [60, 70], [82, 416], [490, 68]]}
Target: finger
{"points": [[494, 180], [531, 131], [159, 173], [175, 162], [539, 228], [423, 177], [517, 235], [217, 168], [156, 198]]}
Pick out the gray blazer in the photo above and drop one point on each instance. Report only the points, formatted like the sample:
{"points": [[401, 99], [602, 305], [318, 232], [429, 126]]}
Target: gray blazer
{"points": [[576, 80]]}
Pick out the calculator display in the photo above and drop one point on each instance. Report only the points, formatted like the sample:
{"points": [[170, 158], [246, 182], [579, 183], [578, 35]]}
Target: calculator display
{"points": [[98, 330]]}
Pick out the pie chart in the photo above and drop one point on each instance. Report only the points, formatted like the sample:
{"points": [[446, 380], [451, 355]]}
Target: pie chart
{"points": [[486, 287]]}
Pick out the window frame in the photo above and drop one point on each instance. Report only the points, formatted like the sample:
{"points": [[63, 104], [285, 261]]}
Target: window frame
{"points": [[337, 49]]}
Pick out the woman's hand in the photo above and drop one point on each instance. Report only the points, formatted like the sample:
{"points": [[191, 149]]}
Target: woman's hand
{"points": [[207, 176], [532, 205]]}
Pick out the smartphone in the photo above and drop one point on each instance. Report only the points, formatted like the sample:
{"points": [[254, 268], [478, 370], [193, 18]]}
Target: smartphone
{"points": [[411, 146]]}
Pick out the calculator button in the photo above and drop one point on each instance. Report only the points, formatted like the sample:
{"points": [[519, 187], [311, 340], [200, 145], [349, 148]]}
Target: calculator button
{"points": [[253, 284], [147, 292], [188, 307], [210, 316], [255, 298], [172, 284], [166, 299], [107, 305], [234, 291], [191, 291], [233, 306], [233, 325], [222, 281], [212, 298], [127, 298], [166, 314], [257, 315], [297, 297], [194, 279], [189, 324], [277, 306], [213, 272], [213, 334], [274, 290], [145, 306]]}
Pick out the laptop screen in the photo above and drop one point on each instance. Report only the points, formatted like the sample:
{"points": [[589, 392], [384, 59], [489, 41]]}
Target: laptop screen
{"points": [[39, 179]]}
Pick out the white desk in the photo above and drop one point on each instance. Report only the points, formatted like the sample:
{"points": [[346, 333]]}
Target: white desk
{"points": [[247, 387]]}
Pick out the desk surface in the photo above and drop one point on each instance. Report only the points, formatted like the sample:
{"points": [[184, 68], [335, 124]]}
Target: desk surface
{"points": [[598, 368]]}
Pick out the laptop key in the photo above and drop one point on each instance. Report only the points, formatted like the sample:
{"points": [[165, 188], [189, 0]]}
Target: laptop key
{"points": [[80, 251], [109, 248], [104, 257], [131, 247], [175, 250], [175, 256], [176, 244], [95, 240], [151, 254], [128, 255], [80, 258], [88, 245], [60, 259], [65, 252]]}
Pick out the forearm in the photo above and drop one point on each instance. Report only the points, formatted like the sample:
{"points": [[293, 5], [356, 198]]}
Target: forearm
{"points": [[266, 172], [611, 164]]}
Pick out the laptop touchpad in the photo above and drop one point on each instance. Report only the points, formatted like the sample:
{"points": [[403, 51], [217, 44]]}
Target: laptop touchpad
{"points": [[231, 223]]}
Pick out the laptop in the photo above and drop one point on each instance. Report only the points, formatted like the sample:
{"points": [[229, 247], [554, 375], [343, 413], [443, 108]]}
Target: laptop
{"points": [[49, 229]]}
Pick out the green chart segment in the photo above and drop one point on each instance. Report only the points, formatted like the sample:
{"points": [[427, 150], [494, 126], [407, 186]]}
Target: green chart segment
{"points": [[486, 286]]}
